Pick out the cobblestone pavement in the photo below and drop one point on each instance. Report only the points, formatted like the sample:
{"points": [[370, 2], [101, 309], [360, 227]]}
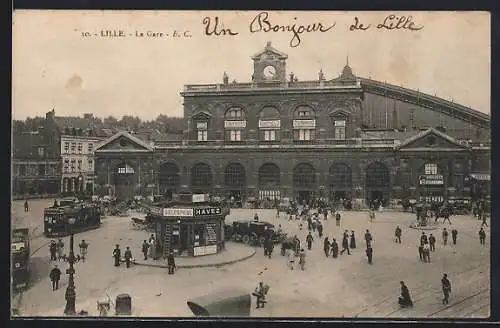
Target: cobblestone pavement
{"points": [[342, 287]]}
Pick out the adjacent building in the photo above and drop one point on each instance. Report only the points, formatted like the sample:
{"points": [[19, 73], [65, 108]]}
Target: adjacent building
{"points": [[36, 168], [276, 136]]}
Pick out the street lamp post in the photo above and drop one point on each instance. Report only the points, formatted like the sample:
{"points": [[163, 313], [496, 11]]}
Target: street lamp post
{"points": [[70, 290]]}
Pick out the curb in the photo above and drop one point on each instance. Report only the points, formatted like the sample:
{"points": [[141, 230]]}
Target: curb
{"points": [[199, 265]]}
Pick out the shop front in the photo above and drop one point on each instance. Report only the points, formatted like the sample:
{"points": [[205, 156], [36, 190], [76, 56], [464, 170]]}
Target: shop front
{"points": [[190, 229]]}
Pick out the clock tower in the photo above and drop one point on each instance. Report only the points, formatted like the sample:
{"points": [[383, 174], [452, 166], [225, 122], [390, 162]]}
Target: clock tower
{"points": [[269, 65]]}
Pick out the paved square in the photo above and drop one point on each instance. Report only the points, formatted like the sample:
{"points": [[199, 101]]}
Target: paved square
{"points": [[347, 286]]}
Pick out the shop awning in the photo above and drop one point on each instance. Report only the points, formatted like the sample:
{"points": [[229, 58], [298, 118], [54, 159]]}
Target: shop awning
{"points": [[480, 176]]}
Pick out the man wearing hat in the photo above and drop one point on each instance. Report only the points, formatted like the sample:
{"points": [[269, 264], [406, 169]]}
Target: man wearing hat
{"points": [[171, 263], [446, 288]]}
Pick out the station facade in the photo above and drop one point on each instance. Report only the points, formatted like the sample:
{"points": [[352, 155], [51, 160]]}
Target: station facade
{"points": [[273, 137]]}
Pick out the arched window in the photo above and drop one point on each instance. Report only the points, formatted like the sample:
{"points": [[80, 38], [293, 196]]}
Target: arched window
{"points": [[201, 177], [235, 124], [269, 124], [169, 177], [304, 176], [304, 124], [234, 175]]}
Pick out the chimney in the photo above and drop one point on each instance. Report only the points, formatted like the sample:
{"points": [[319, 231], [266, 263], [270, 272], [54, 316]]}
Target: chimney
{"points": [[50, 115]]}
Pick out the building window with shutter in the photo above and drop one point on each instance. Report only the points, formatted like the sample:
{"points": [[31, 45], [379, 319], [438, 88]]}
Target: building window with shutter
{"points": [[80, 165], [234, 135], [202, 131], [269, 135], [90, 163], [66, 165], [66, 146], [73, 147], [431, 168], [90, 147], [80, 147], [340, 130], [304, 134], [40, 151], [73, 162]]}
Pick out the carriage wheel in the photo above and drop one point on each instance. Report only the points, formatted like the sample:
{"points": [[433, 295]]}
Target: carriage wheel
{"points": [[236, 237], [245, 239]]}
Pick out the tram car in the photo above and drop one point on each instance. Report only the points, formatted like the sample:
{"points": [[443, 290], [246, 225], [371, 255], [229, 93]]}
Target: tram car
{"points": [[20, 257], [57, 218]]}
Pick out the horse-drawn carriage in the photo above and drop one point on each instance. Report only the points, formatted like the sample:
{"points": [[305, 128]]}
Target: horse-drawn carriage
{"points": [[290, 243], [146, 223]]}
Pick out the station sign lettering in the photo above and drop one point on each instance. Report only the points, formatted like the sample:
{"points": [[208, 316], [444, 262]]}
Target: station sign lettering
{"points": [[431, 179], [235, 124], [304, 124], [207, 211], [269, 124], [177, 212]]}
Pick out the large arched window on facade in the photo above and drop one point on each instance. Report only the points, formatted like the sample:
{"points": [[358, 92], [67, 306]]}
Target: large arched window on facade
{"points": [[169, 178], [269, 124], [201, 178], [304, 176], [235, 124], [304, 124], [234, 176], [340, 181], [269, 181], [377, 181]]}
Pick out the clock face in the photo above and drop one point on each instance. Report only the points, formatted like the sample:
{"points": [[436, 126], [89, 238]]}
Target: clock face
{"points": [[269, 72]]}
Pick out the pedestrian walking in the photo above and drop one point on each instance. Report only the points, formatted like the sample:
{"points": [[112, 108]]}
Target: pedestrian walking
{"points": [[337, 219], [454, 234], [397, 234], [369, 254], [368, 238], [335, 248], [326, 246], [405, 299], [152, 246], [53, 250], [26, 206], [423, 239], [432, 242], [309, 240], [277, 212], [60, 249], [421, 252], [446, 284], [445, 236], [55, 276], [83, 249], [427, 252], [482, 236], [171, 263], [484, 220], [320, 229], [309, 223], [291, 259], [302, 259], [345, 244], [145, 248], [117, 254], [371, 214], [325, 214], [352, 242], [128, 256]]}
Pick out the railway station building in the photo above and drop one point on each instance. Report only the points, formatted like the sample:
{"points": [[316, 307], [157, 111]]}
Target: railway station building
{"points": [[275, 136]]}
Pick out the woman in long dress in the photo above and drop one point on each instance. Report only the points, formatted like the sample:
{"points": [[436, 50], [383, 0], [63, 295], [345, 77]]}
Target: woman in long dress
{"points": [[353, 240]]}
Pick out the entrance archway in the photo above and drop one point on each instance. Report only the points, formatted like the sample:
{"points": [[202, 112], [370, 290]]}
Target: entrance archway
{"points": [[201, 178], [235, 181], [269, 182], [377, 183], [169, 179], [304, 181], [125, 180], [340, 181]]}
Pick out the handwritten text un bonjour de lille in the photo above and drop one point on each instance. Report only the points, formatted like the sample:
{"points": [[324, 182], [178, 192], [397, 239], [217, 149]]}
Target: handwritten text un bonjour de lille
{"points": [[213, 26]]}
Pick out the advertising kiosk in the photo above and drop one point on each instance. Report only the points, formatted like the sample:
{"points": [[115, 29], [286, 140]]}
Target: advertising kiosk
{"points": [[189, 225]]}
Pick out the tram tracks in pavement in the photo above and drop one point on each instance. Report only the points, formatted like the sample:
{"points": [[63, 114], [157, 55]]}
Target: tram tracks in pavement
{"points": [[418, 296]]}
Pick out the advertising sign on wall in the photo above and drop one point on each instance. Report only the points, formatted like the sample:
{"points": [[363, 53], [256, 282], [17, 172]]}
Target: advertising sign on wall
{"points": [[177, 212], [304, 124], [235, 124]]}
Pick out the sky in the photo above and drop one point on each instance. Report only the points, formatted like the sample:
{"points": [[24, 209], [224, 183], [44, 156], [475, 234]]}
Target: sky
{"points": [[57, 65]]}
